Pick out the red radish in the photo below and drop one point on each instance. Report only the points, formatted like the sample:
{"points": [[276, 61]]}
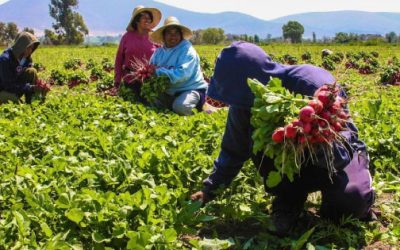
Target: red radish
{"points": [[323, 88], [290, 131], [343, 115], [315, 131], [307, 114], [326, 115], [43, 85], [316, 105], [327, 133], [326, 97], [307, 127], [302, 139], [278, 135], [297, 124], [322, 123], [319, 138], [337, 126]]}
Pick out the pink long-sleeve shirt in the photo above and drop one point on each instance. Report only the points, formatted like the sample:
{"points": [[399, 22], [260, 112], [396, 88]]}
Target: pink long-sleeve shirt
{"points": [[132, 45]]}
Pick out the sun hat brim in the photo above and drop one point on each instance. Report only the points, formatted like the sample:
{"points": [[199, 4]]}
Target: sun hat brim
{"points": [[157, 36], [156, 17]]}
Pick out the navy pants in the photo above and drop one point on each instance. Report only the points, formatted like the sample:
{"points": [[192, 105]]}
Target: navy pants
{"points": [[349, 192]]}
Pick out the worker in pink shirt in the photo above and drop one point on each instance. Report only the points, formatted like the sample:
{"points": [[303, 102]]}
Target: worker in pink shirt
{"points": [[135, 44]]}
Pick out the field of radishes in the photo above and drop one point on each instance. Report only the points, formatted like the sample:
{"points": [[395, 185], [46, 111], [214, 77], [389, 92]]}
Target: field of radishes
{"points": [[83, 170]]}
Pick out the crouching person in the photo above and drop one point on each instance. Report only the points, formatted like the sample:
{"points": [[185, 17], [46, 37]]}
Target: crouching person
{"points": [[17, 76], [178, 60], [347, 193]]}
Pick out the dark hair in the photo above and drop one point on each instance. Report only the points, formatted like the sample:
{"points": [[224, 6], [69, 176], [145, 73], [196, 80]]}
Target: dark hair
{"points": [[137, 19], [173, 26]]}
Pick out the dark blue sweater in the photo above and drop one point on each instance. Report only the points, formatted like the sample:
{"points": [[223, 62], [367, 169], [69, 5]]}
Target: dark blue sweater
{"points": [[9, 72]]}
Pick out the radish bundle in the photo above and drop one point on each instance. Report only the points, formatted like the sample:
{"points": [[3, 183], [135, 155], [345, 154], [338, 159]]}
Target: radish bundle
{"points": [[152, 85], [44, 88], [292, 130], [42, 85]]}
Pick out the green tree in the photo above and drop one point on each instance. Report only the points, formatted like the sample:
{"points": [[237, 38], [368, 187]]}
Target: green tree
{"points": [[342, 37], [2, 33], [251, 40], [314, 37], [69, 25], [213, 35], [30, 30], [294, 31], [12, 31], [8, 32], [391, 37], [256, 39], [197, 37], [51, 38]]}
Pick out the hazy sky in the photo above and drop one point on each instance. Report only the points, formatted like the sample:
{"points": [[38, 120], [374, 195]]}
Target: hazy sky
{"points": [[267, 9]]}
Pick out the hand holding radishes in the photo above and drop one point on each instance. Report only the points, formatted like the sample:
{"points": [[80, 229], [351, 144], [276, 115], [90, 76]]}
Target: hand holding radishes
{"points": [[145, 74]]}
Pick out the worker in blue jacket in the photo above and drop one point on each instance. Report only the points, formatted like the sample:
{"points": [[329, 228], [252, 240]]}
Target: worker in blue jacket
{"points": [[349, 192], [178, 60], [17, 76]]}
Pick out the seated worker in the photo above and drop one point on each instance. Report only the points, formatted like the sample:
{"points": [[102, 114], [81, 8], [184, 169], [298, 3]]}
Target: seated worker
{"points": [[178, 60]]}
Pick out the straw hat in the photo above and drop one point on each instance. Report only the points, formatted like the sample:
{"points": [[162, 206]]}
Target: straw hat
{"points": [[157, 36], [139, 9]]}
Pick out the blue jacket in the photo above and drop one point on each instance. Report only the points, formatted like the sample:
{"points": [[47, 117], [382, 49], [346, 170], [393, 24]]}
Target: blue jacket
{"points": [[9, 72], [182, 65], [234, 66]]}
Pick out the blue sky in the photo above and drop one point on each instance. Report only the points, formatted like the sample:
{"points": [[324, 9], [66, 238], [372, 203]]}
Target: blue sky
{"points": [[268, 9]]}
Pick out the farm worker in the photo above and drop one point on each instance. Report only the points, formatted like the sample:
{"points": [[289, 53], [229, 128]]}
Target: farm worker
{"points": [[135, 45], [178, 60], [17, 76], [348, 193]]}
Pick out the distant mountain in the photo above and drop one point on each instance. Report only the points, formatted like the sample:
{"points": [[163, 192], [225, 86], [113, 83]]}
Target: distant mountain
{"points": [[107, 17]]}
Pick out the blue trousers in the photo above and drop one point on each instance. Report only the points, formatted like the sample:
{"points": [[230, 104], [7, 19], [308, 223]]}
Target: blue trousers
{"points": [[349, 192]]}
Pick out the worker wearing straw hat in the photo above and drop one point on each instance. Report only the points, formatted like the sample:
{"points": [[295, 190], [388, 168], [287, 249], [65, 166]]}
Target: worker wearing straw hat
{"points": [[135, 45], [178, 60]]}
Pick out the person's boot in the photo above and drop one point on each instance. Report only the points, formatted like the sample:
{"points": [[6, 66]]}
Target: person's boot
{"points": [[283, 221], [285, 215]]}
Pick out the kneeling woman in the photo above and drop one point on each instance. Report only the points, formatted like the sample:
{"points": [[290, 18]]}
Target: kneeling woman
{"points": [[178, 60]]}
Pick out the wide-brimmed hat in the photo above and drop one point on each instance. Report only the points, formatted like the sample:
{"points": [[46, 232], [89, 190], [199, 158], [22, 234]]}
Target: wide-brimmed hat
{"points": [[139, 9], [157, 36]]}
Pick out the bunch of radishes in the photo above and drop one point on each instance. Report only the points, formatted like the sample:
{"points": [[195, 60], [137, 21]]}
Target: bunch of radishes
{"points": [[141, 71], [43, 86], [318, 122]]}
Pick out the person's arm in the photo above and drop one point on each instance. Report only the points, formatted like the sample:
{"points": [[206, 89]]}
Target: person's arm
{"points": [[119, 61], [183, 70], [235, 150], [10, 83]]}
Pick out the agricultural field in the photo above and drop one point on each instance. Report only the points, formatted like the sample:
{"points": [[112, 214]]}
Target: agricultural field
{"points": [[83, 170]]}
